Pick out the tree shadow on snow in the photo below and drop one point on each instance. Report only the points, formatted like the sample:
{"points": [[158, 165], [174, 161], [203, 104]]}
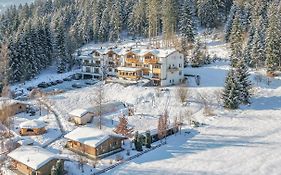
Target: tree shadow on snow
{"points": [[265, 103], [182, 144]]}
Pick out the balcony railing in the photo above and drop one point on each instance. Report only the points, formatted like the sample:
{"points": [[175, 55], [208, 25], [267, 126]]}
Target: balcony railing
{"points": [[151, 61], [132, 60], [156, 76]]}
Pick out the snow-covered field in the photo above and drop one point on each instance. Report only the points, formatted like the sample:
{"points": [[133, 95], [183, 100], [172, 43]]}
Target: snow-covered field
{"points": [[244, 141]]}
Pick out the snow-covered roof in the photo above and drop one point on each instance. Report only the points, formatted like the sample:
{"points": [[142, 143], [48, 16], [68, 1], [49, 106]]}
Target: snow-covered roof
{"points": [[34, 157], [85, 57], [101, 51], [79, 112], [161, 53], [120, 51], [8, 101], [32, 124], [90, 136], [129, 69]]}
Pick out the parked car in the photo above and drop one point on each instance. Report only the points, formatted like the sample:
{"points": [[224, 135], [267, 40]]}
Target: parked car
{"points": [[91, 82], [67, 79], [49, 84], [30, 88], [77, 76], [59, 81], [77, 85], [43, 85], [54, 83]]}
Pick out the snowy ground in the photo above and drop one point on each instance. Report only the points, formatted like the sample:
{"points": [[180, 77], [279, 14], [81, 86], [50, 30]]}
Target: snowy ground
{"points": [[244, 141], [52, 128]]}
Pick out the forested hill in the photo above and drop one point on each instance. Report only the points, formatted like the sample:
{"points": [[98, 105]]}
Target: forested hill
{"points": [[48, 31]]}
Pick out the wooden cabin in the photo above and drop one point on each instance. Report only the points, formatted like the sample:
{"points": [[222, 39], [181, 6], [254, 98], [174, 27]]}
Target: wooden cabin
{"points": [[130, 73], [10, 107], [81, 116], [29, 160], [32, 127], [94, 142]]}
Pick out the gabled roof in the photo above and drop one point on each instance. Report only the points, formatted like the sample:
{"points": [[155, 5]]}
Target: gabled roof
{"points": [[32, 124], [85, 57], [8, 101], [34, 157], [91, 136], [161, 53], [79, 112]]}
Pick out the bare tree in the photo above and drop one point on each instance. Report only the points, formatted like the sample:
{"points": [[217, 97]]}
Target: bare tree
{"points": [[6, 111], [176, 125], [206, 102], [39, 96], [99, 100], [182, 94], [4, 63], [157, 91], [218, 96], [163, 126]]}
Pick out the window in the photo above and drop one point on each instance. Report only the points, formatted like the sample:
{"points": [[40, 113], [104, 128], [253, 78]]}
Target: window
{"points": [[180, 72], [29, 130], [179, 65]]}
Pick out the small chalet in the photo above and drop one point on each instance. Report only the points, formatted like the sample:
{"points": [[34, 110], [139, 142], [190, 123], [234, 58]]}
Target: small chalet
{"points": [[32, 127], [81, 116], [29, 160], [11, 107], [93, 142], [108, 108]]}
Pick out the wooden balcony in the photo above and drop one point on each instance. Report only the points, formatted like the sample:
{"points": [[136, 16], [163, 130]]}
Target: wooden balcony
{"points": [[132, 60], [156, 71], [151, 61], [156, 76]]}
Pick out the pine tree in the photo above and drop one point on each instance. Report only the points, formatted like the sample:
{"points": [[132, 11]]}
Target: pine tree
{"points": [[197, 57], [54, 171], [148, 139], [243, 75], [186, 25], [208, 12], [236, 42], [169, 21], [104, 24], [137, 21], [231, 94], [115, 22], [153, 18], [59, 167], [248, 49], [137, 142], [273, 44], [229, 22], [258, 50], [61, 47]]}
